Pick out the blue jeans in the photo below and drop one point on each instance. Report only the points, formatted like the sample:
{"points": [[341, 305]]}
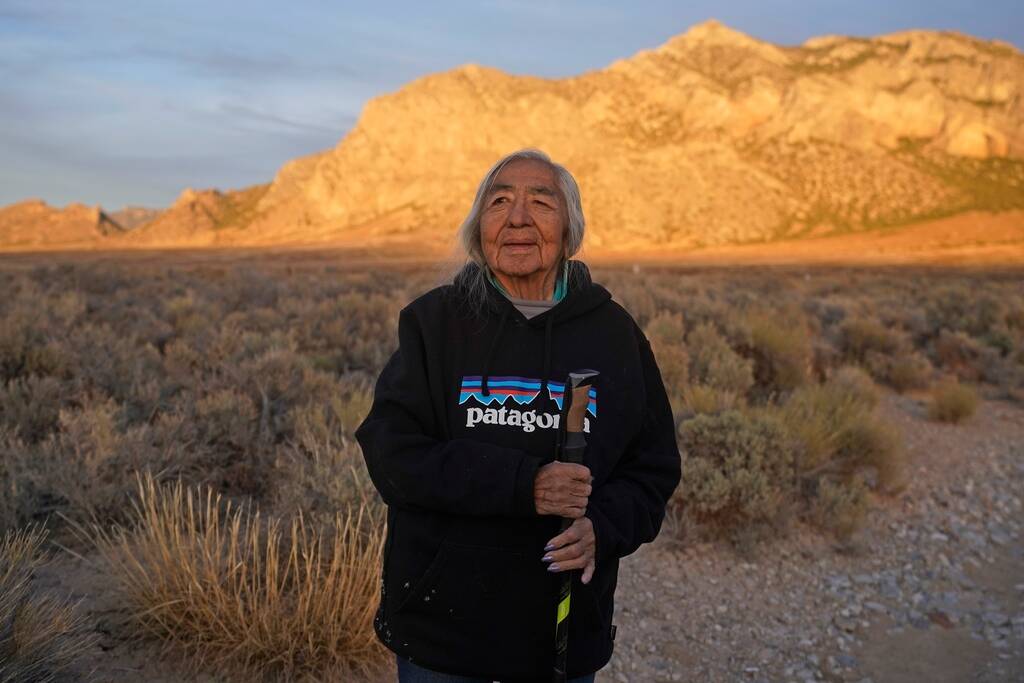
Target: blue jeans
{"points": [[410, 673]]}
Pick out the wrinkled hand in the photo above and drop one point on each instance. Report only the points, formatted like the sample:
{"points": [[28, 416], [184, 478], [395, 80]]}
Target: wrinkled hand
{"points": [[573, 549], [562, 488]]}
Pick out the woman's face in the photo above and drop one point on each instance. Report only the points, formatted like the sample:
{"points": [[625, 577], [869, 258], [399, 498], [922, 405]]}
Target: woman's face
{"points": [[522, 227]]}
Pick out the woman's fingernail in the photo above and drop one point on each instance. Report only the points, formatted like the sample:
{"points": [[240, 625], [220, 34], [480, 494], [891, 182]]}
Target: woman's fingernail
{"points": [[546, 558], [553, 567], [549, 546]]}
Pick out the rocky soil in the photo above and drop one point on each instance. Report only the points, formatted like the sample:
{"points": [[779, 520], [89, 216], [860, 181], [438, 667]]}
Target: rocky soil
{"points": [[931, 590]]}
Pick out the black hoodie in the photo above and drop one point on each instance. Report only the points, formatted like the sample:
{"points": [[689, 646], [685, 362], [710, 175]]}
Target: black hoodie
{"points": [[462, 418]]}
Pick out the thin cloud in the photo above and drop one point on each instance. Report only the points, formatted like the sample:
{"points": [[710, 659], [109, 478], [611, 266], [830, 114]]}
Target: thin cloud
{"points": [[235, 110]]}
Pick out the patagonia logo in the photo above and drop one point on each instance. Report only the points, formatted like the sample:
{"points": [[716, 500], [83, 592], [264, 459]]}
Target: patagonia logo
{"points": [[509, 392]]}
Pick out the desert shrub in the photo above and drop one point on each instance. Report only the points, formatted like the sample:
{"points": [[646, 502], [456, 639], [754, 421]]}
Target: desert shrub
{"points": [[11, 494], [859, 336], [277, 380], [962, 308], [715, 364], [855, 382], [781, 350], [738, 470], [227, 418], [638, 300], [334, 417], [105, 361], [908, 371], [702, 399], [316, 480], [31, 405], [840, 506], [85, 470], [824, 357], [868, 443], [958, 353], [816, 416], [952, 402], [87, 464], [302, 609], [666, 333], [41, 638]]}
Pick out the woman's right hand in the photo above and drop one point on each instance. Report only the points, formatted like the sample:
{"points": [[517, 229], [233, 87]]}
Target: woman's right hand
{"points": [[562, 488]]}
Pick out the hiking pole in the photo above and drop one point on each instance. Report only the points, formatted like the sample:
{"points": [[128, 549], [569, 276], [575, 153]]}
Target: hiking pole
{"points": [[570, 447]]}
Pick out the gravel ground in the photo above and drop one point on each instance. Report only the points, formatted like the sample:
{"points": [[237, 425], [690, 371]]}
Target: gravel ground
{"points": [[930, 590]]}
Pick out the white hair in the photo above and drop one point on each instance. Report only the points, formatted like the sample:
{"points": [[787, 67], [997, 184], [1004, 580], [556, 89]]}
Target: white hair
{"points": [[469, 232]]}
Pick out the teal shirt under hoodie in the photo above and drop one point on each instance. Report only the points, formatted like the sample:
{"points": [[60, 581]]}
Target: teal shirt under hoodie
{"points": [[531, 307]]}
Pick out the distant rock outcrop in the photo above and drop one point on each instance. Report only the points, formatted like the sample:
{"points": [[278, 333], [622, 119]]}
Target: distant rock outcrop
{"points": [[35, 224], [133, 216], [712, 138]]}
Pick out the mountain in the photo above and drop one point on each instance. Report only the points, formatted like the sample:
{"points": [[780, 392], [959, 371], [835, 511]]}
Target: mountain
{"points": [[133, 216], [33, 224], [197, 218], [712, 138]]}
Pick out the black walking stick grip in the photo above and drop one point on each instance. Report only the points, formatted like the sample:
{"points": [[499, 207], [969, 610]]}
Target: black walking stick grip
{"points": [[570, 448]]}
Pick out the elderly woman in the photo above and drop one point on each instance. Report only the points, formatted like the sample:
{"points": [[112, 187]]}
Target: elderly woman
{"points": [[461, 440]]}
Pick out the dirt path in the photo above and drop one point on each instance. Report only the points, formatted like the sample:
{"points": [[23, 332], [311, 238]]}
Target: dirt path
{"points": [[931, 590]]}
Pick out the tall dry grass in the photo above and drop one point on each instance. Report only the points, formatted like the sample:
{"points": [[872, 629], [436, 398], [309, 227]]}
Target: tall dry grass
{"points": [[41, 637], [247, 595]]}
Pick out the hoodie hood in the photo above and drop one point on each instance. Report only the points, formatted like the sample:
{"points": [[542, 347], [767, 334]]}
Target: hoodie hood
{"points": [[583, 296]]}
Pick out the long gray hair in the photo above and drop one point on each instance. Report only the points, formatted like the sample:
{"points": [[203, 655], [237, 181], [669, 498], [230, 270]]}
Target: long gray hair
{"points": [[472, 282]]}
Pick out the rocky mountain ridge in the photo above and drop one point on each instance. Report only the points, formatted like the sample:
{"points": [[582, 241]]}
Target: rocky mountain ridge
{"points": [[712, 138]]}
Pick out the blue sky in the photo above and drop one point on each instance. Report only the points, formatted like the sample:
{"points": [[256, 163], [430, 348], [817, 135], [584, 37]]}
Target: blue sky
{"points": [[128, 102]]}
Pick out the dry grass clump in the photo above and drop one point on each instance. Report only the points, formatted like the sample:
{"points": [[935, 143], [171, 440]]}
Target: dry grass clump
{"points": [[40, 637], [840, 507], [839, 433], [701, 399], [247, 595], [781, 350], [952, 402]]}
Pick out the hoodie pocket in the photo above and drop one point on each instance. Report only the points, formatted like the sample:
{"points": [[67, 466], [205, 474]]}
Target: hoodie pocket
{"points": [[494, 607]]}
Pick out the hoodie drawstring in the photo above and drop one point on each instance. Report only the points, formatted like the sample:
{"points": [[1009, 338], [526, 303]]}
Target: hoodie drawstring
{"points": [[490, 352], [484, 389], [563, 286], [547, 354]]}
